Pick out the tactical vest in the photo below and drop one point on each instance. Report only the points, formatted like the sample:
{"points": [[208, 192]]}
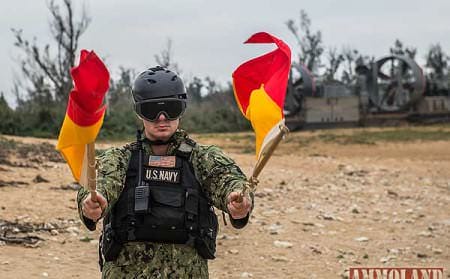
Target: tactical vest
{"points": [[166, 204]]}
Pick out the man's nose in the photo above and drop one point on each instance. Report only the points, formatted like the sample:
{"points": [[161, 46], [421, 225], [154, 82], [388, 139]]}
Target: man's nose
{"points": [[162, 117]]}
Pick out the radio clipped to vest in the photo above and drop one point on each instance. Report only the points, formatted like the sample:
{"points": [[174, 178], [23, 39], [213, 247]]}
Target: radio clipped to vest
{"points": [[141, 199], [142, 191]]}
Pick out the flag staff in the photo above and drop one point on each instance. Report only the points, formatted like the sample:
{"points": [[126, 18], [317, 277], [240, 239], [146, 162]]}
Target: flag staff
{"points": [[266, 153], [259, 87], [278, 133], [88, 171]]}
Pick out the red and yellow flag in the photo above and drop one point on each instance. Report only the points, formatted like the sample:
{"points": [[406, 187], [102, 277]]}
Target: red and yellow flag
{"points": [[260, 86], [85, 110]]}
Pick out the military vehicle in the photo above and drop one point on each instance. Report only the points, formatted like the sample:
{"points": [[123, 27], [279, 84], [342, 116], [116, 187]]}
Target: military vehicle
{"points": [[384, 92]]}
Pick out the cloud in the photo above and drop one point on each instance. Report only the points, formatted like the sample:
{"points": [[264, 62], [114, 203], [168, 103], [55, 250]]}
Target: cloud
{"points": [[207, 35]]}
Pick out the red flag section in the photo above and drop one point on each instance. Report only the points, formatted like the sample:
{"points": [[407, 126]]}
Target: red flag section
{"points": [[85, 110], [260, 86]]}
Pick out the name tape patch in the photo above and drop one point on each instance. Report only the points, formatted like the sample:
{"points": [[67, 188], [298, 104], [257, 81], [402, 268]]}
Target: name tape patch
{"points": [[165, 175]]}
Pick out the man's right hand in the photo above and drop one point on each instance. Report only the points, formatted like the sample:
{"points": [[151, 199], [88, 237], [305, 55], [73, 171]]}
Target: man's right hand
{"points": [[94, 209]]}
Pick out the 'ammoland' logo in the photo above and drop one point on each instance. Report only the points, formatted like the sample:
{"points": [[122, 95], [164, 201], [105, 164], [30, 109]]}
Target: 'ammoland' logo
{"points": [[396, 273]]}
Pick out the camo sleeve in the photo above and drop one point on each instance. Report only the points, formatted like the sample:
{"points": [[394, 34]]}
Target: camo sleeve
{"points": [[111, 172], [218, 174]]}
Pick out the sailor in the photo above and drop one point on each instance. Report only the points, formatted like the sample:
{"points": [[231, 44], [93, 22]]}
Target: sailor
{"points": [[157, 194]]}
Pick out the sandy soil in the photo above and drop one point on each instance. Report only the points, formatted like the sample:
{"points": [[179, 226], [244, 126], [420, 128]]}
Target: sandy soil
{"points": [[319, 210]]}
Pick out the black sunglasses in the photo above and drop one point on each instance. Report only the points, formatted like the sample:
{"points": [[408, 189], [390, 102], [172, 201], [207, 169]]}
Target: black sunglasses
{"points": [[151, 109]]}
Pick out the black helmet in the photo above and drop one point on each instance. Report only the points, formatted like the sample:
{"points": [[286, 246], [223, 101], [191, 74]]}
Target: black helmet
{"points": [[158, 82], [159, 91]]}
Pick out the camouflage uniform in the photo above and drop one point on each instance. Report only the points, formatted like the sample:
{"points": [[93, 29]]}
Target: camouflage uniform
{"points": [[218, 176]]}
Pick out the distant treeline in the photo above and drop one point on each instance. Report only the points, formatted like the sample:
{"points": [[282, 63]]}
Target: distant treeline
{"points": [[210, 108], [42, 89]]}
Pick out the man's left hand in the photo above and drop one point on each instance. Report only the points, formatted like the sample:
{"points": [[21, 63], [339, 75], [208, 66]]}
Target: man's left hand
{"points": [[237, 207]]}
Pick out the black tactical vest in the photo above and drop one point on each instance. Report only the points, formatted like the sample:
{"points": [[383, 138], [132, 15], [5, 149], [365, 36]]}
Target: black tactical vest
{"points": [[166, 205]]}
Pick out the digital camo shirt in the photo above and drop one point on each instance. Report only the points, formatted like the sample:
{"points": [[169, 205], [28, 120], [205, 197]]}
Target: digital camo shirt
{"points": [[218, 176]]}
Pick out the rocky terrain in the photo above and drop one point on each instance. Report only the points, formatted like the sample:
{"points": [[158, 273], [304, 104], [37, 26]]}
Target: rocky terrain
{"points": [[327, 201]]}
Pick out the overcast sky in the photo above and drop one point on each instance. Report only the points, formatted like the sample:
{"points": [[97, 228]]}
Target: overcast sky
{"points": [[207, 35]]}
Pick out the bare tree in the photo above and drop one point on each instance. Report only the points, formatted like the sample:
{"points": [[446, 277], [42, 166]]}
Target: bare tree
{"points": [[400, 49], [194, 87], [437, 60], [165, 58], [119, 95], [8, 123], [334, 61], [49, 75], [310, 42], [438, 79], [351, 59]]}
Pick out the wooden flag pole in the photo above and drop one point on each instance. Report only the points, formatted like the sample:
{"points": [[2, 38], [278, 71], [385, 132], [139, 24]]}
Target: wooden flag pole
{"points": [[264, 157], [91, 174], [88, 173], [266, 154]]}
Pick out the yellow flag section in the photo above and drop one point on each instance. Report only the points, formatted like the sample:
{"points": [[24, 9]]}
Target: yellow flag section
{"points": [[263, 114], [260, 85], [72, 143]]}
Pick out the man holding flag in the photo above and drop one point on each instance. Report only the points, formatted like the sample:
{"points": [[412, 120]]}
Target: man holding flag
{"points": [[157, 193]]}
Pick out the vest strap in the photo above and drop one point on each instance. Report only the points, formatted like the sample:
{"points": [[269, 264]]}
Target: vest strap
{"points": [[191, 206], [185, 148], [132, 221]]}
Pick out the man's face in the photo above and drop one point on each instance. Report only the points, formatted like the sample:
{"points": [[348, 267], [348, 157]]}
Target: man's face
{"points": [[161, 129]]}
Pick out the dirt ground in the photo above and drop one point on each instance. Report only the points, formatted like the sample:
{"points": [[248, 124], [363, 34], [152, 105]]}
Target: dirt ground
{"points": [[319, 209]]}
